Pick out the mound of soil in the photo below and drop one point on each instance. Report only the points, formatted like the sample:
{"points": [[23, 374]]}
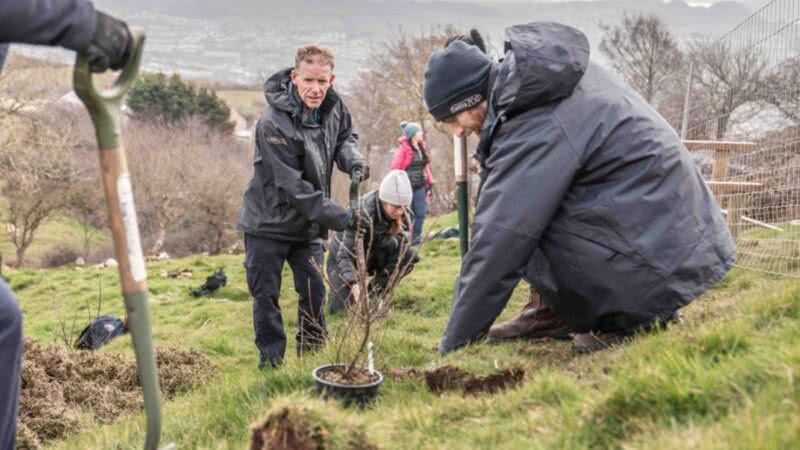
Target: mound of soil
{"points": [[288, 429], [448, 378], [445, 378], [495, 382], [58, 386], [357, 376]]}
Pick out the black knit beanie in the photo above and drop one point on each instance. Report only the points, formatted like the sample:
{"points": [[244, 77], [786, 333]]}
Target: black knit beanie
{"points": [[457, 79]]}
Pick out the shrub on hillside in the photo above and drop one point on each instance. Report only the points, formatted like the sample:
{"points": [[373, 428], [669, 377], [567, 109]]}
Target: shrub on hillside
{"points": [[60, 256], [171, 101]]}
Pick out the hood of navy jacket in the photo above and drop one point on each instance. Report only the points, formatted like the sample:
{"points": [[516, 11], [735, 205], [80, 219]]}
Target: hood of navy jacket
{"points": [[544, 62]]}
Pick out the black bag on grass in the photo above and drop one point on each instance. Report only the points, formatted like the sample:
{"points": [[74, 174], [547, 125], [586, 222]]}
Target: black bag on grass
{"points": [[99, 332], [214, 282]]}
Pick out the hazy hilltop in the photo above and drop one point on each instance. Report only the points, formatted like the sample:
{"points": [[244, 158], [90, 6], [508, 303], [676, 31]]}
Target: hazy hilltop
{"points": [[244, 40]]}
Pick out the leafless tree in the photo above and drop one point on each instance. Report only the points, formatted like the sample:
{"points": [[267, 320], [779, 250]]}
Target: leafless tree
{"points": [[219, 176], [87, 205], [158, 159], [644, 52], [728, 77], [781, 88], [390, 90], [27, 85], [189, 177], [372, 107], [36, 160]]}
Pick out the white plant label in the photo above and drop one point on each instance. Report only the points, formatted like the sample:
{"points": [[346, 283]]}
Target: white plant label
{"points": [[458, 158], [134, 244], [370, 361]]}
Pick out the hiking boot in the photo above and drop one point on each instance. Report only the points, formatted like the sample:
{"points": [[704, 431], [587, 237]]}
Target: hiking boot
{"points": [[591, 342], [536, 321]]}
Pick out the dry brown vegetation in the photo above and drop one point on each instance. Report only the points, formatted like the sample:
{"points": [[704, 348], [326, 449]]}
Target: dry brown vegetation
{"points": [[59, 386]]}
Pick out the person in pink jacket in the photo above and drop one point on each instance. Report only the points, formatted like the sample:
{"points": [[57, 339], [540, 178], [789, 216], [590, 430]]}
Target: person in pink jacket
{"points": [[412, 156]]}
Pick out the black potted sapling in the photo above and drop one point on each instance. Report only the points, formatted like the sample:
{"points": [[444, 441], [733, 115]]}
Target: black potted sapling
{"points": [[351, 377]]}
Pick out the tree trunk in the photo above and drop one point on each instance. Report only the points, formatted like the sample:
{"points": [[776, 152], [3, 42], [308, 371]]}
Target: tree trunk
{"points": [[217, 249], [159, 244], [21, 255]]}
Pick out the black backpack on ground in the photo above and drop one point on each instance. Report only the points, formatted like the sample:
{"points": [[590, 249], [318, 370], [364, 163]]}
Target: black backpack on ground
{"points": [[214, 282], [99, 332]]}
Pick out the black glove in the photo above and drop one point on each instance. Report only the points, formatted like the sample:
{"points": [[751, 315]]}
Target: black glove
{"points": [[361, 171], [111, 45], [474, 38]]}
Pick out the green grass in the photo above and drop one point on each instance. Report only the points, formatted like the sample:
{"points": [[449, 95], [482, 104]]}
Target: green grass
{"points": [[725, 378]]}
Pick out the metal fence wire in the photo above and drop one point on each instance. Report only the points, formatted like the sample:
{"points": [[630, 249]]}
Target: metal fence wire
{"points": [[742, 122]]}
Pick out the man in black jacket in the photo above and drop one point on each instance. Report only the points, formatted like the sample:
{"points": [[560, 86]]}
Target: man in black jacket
{"points": [[75, 25], [587, 192], [287, 210]]}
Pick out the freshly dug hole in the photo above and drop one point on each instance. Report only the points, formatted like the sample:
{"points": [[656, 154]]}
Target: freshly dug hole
{"points": [[445, 378], [58, 386], [448, 378]]}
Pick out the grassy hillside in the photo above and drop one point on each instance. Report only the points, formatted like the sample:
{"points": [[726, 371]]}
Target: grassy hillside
{"points": [[725, 378]]}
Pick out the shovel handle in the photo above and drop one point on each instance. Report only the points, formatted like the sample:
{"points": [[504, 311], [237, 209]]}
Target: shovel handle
{"points": [[105, 105], [105, 109]]}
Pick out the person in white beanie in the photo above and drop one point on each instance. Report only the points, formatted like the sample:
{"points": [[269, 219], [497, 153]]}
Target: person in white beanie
{"points": [[383, 229]]}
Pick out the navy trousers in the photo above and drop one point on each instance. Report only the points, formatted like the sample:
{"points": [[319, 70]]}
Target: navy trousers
{"points": [[419, 205], [10, 365], [264, 260]]}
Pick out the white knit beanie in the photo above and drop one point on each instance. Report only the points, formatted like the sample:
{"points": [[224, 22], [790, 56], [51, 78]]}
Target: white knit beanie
{"points": [[396, 188]]}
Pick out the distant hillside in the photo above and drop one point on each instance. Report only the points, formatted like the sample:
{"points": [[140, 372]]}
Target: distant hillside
{"points": [[243, 41]]}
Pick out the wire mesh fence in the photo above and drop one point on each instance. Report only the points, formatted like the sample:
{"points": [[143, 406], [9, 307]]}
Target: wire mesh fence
{"points": [[742, 121]]}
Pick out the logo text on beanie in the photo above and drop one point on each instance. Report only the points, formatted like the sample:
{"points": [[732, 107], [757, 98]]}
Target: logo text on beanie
{"points": [[467, 103]]}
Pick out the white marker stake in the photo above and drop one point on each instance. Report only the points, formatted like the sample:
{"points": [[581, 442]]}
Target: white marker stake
{"points": [[370, 362], [129, 222]]}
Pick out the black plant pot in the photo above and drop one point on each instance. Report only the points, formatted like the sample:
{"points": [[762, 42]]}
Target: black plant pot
{"points": [[350, 394]]}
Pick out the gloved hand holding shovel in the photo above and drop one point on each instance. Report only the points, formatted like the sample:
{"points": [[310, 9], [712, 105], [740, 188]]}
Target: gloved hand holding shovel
{"points": [[109, 49]]}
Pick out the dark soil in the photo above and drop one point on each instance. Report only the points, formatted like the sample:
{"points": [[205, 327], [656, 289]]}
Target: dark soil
{"points": [[357, 376], [288, 429], [58, 386], [494, 383], [448, 378]]}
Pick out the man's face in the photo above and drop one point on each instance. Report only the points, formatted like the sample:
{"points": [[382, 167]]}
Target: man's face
{"points": [[467, 122], [313, 79]]}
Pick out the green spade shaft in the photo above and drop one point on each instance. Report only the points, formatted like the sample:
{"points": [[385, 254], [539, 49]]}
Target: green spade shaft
{"points": [[105, 110]]}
